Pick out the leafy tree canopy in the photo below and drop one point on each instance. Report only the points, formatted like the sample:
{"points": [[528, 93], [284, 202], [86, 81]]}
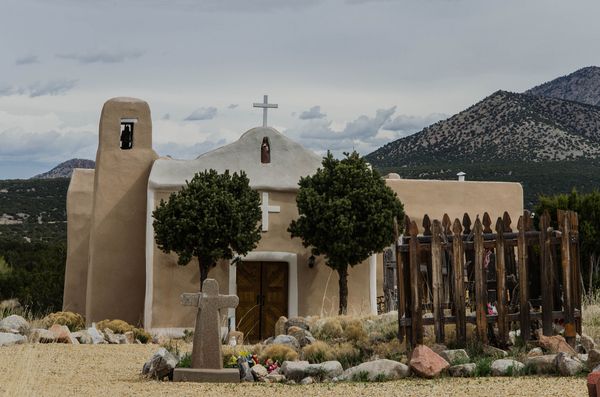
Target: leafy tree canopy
{"points": [[214, 216], [346, 213]]}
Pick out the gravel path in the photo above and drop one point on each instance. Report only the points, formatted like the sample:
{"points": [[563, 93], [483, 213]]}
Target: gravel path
{"points": [[112, 370]]}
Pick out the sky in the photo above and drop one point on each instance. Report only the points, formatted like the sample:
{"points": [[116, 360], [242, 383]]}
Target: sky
{"points": [[346, 74]]}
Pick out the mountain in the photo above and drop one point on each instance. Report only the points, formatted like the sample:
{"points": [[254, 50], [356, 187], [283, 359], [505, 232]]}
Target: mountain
{"points": [[580, 86], [65, 170]]}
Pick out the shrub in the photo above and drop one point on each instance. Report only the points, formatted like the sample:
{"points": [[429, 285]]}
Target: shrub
{"points": [[483, 366], [185, 361], [141, 335], [278, 353], [116, 326], [317, 352], [331, 329], [74, 321], [393, 350], [347, 355], [361, 376], [354, 331]]}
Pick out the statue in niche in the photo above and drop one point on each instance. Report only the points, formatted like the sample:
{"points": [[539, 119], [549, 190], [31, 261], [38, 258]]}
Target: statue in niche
{"points": [[127, 137], [265, 151]]}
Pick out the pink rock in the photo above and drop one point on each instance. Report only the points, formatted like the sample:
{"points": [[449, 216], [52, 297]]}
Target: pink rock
{"points": [[62, 334], [555, 344], [427, 363]]}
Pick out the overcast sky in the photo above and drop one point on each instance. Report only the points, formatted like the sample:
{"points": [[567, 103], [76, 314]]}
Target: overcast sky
{"points": [[345, 73]]}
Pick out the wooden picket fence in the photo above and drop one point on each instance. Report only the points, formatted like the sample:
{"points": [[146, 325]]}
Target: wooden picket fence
{"points": [[448, 270]]}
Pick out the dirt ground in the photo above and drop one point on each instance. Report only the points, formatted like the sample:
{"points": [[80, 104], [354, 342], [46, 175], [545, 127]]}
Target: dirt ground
{"points": [[112, 370]]}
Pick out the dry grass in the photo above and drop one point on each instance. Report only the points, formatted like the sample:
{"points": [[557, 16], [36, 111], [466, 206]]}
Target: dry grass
{"points": [[591, 315]]}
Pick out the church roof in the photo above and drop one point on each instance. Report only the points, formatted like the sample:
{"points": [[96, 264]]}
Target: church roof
{"points": [[289, 162]]}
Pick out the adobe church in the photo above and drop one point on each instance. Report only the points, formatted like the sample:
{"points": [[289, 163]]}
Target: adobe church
{"points": [[115, 269]]}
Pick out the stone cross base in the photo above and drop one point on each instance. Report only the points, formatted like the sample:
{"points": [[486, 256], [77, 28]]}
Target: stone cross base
{"points": [[228, 375]]}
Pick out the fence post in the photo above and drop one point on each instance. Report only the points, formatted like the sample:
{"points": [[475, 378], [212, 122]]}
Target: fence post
{"points": [[459, 283], [563, 221], [399, 282], [415, 300], [480, 283], [546, 275], [576, 266], [436, 281], [501, 282], [523, 287]]}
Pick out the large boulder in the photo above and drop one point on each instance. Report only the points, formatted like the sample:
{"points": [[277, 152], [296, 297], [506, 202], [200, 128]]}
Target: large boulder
{"points": [[15, 324], [259, 372], [97, 337], [286, 340], [452, 356], [566, 365], [62, 334], [9, 339], [506, 367], [462, 370], [388, 369], [555, 344], [160, 365], [494, 351], [280, 328], [542, 364], [297, 322], [40, 335], [303, 336], [294, 370], [427, 363], [324, 370]]}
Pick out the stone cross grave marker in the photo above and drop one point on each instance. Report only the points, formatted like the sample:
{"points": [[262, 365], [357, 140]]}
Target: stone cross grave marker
{"points": [[207, 358]]}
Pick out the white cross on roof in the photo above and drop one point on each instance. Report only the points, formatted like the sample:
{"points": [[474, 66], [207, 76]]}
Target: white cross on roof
{"points": [[265, 105]]}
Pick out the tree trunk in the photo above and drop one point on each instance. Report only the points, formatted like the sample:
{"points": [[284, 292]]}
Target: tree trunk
{"points": [[343, 283], [204, 268]]}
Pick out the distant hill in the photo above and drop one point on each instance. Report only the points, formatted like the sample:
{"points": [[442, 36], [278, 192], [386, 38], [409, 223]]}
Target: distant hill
{"points": [[580, 86], [65, 170], [548, 144]]}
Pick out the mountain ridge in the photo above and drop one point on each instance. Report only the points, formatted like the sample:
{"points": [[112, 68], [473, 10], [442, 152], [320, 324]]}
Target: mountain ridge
{"points": [[65, 169]]}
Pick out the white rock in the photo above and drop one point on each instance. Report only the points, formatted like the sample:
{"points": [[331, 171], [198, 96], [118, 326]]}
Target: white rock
{"points": [[307, 381], [294, 370], [287, 340], [275, 378], [566, 365], [455, 355], [96, 335], [40, 335], [505, 367], [390, 369], [9, 339], [325, 370], [14, 323], [542, 364], [259, 371]]}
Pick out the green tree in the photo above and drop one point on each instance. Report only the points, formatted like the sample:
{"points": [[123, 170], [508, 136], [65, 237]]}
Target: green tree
{"points": [[212, 217], [347, 214], [587, 206]]}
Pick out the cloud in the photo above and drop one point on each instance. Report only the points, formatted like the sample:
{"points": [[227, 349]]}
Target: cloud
{"points": [[407, 124], [27, 60], [186, 151], [52, 87], [204, 113], [312, 113], [166, 116], [233, 106], [102, 56]]}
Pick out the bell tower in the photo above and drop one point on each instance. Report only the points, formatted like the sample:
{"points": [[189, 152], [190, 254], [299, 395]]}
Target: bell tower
{"points": [[116, 272]]}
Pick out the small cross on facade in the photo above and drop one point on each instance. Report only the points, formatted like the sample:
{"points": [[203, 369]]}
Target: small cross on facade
{"points": [[265, 105], [266, 209]]}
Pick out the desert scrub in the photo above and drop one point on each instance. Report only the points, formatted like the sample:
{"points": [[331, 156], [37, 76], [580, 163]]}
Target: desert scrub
{"points": [[74, 321], [120, 327], [483, 366], [354, 331], [392, 350], [317, 352], [331, 328], [278, 353], [347, 354], [360, 376], [185, 361]]}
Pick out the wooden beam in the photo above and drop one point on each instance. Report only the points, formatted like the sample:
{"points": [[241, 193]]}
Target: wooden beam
{"points": [[436, 281], [415, 298], [480, 283], [546, 274], [501, 284], [458, 257], [523, 287], [564, 224]]}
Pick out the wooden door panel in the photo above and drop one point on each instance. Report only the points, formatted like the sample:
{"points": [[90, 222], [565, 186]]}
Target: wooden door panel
{"points": [[275, 295], [247, 313]]}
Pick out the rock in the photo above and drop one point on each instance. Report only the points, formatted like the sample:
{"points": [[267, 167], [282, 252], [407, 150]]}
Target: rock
{"points": [[40, 335], [83, 337], [129, 337], [587, 342], [593, 358], [391, 370], [297, 322], [505, 367], [280, 328], [14, 323], [494, 351], [287, 340], [235, 338], [113, 338], [276, 378], [9, 339], [160, 365], [427, 363], [452, 356], [555, 344], [62, 334], [307, 381], [438, 348], [303, 336], [294, 370], [259, 372], [543, 364], [512, 336], [535, 352], [566, 365], [325, 370], [97, 337], [462, 370], [245, 372], [583, 358]]}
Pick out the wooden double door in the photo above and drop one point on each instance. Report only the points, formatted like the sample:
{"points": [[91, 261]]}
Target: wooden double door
{"points": [[262, 288]]}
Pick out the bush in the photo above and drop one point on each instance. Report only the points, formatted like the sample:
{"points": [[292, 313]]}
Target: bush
{"points": [[393, 350], [331, 329], [354, 331], [74, 321], [185, 361], [317, 352], [278, 353], [347, 355], [483, 366], [120, 327]]}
